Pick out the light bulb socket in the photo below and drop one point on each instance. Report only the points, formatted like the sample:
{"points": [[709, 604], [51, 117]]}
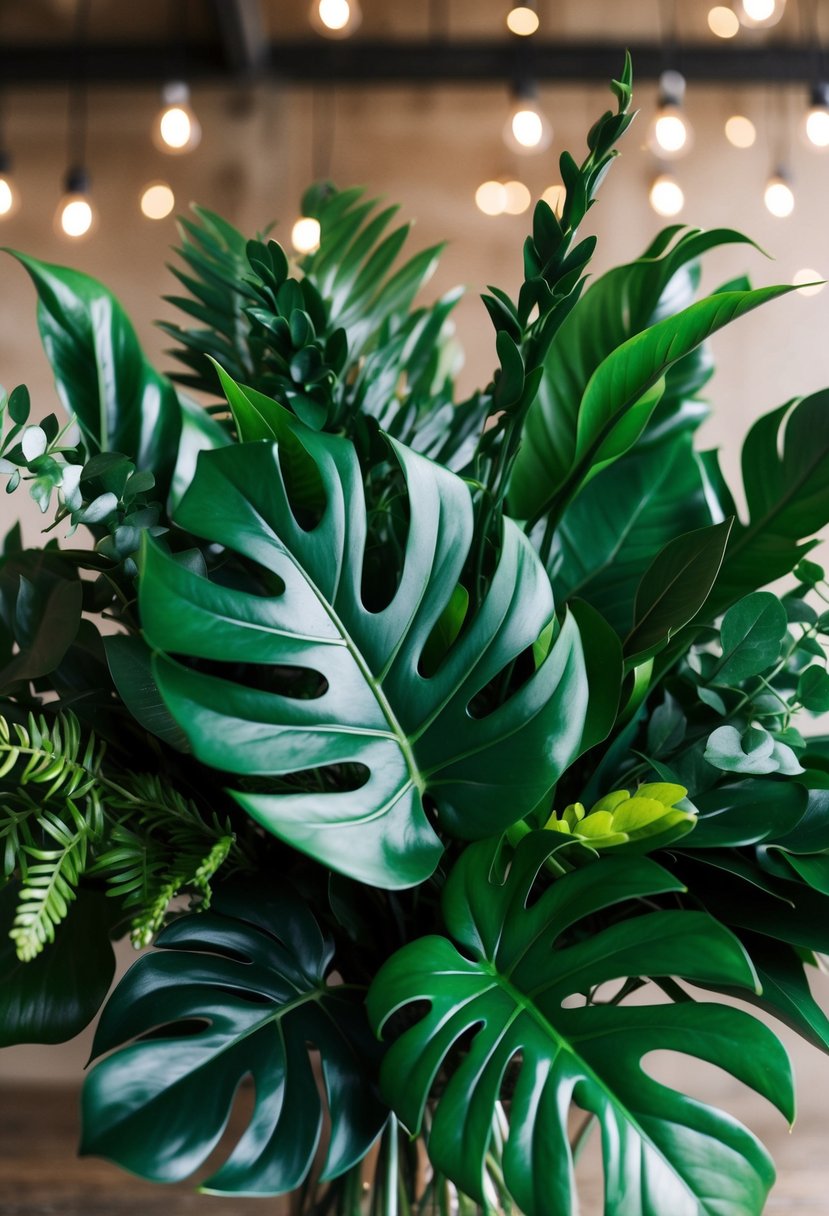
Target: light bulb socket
{"points": [[77, 180], [819, 95], [175, 93], [5, 161], [672, 85], [525, 88]]}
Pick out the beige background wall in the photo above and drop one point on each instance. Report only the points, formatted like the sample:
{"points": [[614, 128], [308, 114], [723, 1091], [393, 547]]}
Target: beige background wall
{"points": [[429, 151]]}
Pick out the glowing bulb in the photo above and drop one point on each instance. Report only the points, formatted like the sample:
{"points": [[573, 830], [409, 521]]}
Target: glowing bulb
{"points": [[807, 282], [670, 132], [723, 22], [666, 195], [335, 18], [517, 198], [816, 125], [778, 197], [760, 13], [740, 131], [305, 234], [527, 130], [491, 198], [176, 128], [9, 198], [75, 216], [522, 20], [157, 201], [554, 197]]}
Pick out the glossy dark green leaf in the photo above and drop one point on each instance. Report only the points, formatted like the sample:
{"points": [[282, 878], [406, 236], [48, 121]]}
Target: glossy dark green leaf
{"points": [[674, 587], [630, 512], [813, 689], [605, 671], [52, 998], [412, 735], [102, 375], [501, 1003], [785, 463], [52, 619], [240, 991], [130, 665], [751, 634], [747, 813], [786, 992]]}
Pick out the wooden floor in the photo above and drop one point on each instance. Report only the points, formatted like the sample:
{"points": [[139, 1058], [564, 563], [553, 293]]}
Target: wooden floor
{"points": [[41, 1176]]}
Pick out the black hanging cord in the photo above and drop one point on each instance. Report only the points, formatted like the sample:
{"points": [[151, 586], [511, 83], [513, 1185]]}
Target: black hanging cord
{"points": [[78, 108], [810, 33], [669, 34]]}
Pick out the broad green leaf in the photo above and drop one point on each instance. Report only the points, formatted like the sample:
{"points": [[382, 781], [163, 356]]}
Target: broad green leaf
{"points": [[102, 375], [620, 304], [785, 463], [630, 512], [498, 1006], [674, 587], [747, 813], [53, 997], [604, 669], [786, 992], [47, 623], [813, 689], [199, 433], [751, 635], [241, 990], [412, 735], [130, 665], [751, 751]]}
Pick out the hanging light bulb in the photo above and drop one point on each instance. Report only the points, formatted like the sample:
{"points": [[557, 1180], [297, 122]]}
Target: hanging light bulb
{"points": [[808, 282], [157, 200], [723, 22], [527, 129], [76, 216], [491, 198], [666, 196], [740, 131], [9, 198], [335, 18], [176, 128], [670, 132], [779, 196], [816, 123], [517, 197], [305, 234], [760, 14], [522, 19]]}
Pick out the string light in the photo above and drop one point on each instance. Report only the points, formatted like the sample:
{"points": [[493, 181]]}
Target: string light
{"points": [[760, 14], [527, 129], [670, 132], [808, 282], [157, 201], [491, 198], [666, 196], [335, 18], [176, 127], [517, 198], [305, 234], [723, 22], [9, 197], [76, 216], [816, 124], [779, 196], [523, 20], [740, 131]]}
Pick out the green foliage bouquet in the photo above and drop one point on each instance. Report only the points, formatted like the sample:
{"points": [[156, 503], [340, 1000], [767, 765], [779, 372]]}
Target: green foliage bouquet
{"points": [[415, 735]]}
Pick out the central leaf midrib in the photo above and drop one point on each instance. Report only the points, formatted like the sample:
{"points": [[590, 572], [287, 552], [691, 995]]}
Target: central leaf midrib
{"points": [[524, 1004]]}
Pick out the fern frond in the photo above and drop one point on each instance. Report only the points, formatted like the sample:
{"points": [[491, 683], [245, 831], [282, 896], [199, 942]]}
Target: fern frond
{"points": [[50, 876]]}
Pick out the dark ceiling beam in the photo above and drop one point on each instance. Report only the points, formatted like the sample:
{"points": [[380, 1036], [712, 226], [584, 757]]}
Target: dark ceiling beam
{"points": [[242, 30], [364, 62]]}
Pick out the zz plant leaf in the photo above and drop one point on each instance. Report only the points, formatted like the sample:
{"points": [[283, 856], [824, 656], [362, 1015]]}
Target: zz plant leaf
{"points": [[413, 735], [499, 1011], [240, 990]]}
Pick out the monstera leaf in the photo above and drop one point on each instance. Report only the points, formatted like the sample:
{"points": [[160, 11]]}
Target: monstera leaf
{"points": [[413, 735], [499, 1008], [239, 991]]}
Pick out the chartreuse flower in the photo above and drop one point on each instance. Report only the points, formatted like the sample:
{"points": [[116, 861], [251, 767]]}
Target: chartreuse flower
{"points": [[648, 816]]}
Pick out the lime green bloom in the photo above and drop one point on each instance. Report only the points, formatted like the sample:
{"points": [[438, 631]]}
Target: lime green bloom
{"points": [[648, 817]]}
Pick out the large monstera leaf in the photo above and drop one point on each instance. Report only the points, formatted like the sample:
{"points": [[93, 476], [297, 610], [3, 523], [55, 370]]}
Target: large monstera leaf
{"points": [[503, 995], [412, 734], [241, 990]]}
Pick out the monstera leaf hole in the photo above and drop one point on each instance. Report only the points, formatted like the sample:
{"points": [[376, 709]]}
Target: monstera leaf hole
{"points": [[388, 517]]}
